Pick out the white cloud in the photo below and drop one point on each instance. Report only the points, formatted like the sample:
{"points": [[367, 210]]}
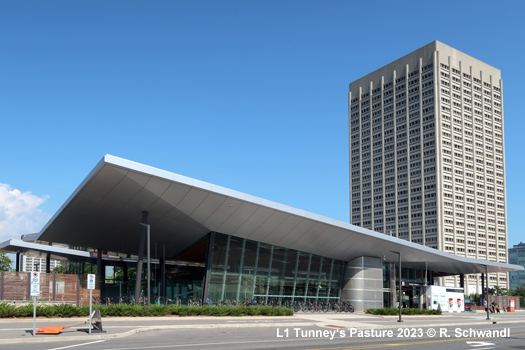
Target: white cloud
{"points": [[19, 213]]}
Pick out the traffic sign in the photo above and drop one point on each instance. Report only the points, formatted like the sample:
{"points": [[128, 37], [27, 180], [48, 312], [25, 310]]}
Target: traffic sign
{"points": [[91, 281], [35, 290], [35, 277]]}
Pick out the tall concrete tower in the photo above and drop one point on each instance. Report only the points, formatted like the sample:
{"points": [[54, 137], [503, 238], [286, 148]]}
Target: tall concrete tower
{"points": [[427, 160]]}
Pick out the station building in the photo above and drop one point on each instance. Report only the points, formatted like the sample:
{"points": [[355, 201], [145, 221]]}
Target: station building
{"points": [[210, 242]]}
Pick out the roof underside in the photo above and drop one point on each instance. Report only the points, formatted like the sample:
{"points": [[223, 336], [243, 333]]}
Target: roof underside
{"points": [[106, 209]]}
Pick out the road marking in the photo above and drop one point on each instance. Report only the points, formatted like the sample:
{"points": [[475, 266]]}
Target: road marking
{"points": [[222, 343], [357, 347], [73, 346], [379, 346]]}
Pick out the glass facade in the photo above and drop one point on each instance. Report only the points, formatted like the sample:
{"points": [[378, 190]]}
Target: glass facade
{"points": [[247, 270]]}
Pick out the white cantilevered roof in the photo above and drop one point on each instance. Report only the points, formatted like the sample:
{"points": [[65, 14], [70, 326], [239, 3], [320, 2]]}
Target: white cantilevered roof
{"points": [[41, 250], [104, 212]]}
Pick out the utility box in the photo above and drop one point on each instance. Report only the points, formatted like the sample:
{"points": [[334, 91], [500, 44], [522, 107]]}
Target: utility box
{"points": [[445, 298]]}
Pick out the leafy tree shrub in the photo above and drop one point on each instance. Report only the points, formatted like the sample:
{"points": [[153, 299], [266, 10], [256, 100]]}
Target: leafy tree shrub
{"points": [[406, 311], [67, 310]]}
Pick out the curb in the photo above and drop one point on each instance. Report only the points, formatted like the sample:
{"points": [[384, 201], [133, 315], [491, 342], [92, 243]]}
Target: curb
{"points": [[329, 324], [47, 339], [345, 325]]}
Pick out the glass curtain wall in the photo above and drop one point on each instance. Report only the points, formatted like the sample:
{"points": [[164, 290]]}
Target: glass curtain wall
{"points": [[245, 270]]}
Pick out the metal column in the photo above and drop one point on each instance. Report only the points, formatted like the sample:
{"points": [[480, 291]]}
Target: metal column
{"points": [[142, 243], [101, 273], [207, 271], [48, 263], [162, 291]]}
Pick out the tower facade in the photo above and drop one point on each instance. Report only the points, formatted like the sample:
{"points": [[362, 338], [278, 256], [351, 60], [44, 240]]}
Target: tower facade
{"points": [[517, 256], [427, 158]]}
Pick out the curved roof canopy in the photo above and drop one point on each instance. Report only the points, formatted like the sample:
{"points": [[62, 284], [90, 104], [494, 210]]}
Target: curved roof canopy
{"points": [[104, 212]]}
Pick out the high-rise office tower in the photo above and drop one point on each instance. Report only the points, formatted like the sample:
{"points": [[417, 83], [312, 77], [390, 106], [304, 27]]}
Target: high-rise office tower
{"points": [[517, 257], [427, 157], [31, 263]]}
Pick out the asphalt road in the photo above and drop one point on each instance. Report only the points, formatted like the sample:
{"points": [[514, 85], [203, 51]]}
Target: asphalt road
{"points": [[307, 338]]}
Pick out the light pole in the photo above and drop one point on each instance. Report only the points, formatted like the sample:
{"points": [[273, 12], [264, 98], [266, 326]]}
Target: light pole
{"points": [[149, 262], [399, 279]]}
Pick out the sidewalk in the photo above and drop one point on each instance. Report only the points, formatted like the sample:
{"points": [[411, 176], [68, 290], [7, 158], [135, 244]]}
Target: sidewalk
{"points": [[14, 331]]}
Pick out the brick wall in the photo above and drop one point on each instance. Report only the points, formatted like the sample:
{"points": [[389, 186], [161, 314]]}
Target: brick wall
{"points": [[53, 287]]}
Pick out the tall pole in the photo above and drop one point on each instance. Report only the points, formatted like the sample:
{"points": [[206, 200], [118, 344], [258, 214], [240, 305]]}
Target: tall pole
{"points": [[90, 310], [484, 288], [149, 268], [34, 315], [142, 239], [148, 254], [487, 290]]}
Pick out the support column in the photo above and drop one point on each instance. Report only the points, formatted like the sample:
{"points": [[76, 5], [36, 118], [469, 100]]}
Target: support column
{"points": [[140, 261], [28, 286], [393, 289], [462, 281], [101, 275], [54, 287], [162, 291], [207, 267], [2, 285], [163, 272], [363, 283], [17, 262], [78, 291], [483, 289], [48, 263]]}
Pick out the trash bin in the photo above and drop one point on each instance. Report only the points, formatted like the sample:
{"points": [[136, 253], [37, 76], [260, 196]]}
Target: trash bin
{"points": [[468, 305]]}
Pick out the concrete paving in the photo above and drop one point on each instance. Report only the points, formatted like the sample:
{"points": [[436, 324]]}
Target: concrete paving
{"points": [[13, 331]]}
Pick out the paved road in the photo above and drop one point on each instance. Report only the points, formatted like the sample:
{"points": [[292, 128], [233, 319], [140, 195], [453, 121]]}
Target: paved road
{"points": [[300, 338], [302, 331]]}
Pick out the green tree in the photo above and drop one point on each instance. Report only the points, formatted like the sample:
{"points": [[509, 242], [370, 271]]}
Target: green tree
{"points": [[500, 290], [518, 292], [60, 269], [5, 262]]}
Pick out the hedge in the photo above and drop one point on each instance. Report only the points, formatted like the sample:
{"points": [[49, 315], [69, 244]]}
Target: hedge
{"points": [[404, 311], [67, 310]]}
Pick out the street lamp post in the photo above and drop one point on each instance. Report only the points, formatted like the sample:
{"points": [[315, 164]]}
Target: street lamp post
{"points": [[399, 279]]}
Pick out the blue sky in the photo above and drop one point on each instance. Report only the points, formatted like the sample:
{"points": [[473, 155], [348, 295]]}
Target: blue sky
{"points": [[249, 95]]}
